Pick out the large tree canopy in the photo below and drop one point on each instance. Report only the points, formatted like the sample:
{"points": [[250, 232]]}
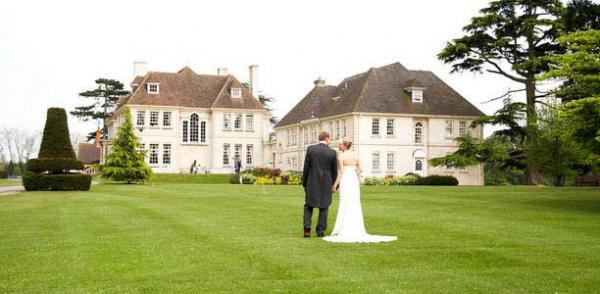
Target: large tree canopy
{"points": [[510, 38], [104, 102]]}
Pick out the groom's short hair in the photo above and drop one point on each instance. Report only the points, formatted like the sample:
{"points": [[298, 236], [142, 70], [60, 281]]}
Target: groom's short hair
{"points": [[323, 136]]}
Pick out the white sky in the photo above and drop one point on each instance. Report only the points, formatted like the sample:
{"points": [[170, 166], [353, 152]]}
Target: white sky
{"points": [[52, 50]]}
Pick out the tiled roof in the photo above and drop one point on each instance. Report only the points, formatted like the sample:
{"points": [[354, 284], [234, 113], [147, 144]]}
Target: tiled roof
{"points": [[88, 153], [382, 90], [185, 88]]}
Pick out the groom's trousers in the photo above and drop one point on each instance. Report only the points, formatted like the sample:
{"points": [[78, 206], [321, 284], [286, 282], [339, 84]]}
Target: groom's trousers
{"points": [[321, 225]]}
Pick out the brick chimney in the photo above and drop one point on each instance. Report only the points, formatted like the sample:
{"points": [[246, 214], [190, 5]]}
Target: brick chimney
{"points": [[98, 137], [222, 71], [319, 82], [139, 68], [253, 76]]}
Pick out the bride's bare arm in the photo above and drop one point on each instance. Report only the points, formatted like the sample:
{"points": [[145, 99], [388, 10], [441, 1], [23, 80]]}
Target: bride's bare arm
{"points": [[340, 171], [358, 166]]}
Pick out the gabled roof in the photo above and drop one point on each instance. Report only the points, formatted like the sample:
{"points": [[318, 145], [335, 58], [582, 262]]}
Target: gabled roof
{"points": [[382, 90], [185, 88]]}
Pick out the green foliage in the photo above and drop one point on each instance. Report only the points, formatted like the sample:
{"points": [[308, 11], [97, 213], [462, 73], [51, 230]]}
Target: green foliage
{"points": [[583, 118], [105, 98], [57, 182], [53, 165], [553, 151], [56, 142], [579, 66], [581, 15], [497, 175], [126, 162], [408, 179], [50, 171], [435, 180]]}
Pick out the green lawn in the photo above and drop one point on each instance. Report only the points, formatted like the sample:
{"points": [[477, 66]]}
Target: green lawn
{"points": [[232, 238], [7, 183]]}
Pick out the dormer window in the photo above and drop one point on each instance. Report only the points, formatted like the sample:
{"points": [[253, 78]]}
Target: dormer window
{"points": [[236, 92], [153, 88], [417, 95]]}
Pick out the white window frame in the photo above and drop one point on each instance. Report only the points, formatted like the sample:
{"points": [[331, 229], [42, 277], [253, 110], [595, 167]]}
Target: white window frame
{"points": [[140, 118], [237, 151], [249, 122], [376, 164], [337, 129], [167, 154], [237, 122], [236, 92], [449, 129], [153, 153], [185, 131], [418, 160], [418, 133], [194, 128], [375, 131], [417, 96], [226, 157], [227, 121], [167, 117], [153, 121], [391, 161], [202, 131], [462, 128], [249, 154], [153, 88], [389, 127]]}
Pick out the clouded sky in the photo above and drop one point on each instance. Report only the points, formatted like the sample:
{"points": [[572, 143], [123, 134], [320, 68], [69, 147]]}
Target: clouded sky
{"points": [[52, 50]]}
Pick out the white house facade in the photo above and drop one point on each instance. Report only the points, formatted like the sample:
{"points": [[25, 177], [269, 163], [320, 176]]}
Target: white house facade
{"points": [[184, 117], [397, 118]]}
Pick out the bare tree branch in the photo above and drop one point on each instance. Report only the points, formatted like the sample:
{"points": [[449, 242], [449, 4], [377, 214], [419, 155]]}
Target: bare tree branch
{"points": [[503, 95]]}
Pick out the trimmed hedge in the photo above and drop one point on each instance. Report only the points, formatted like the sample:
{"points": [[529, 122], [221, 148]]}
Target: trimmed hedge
{"points": [[53, 164], [435, 180], [57, 182], [55, 141]]}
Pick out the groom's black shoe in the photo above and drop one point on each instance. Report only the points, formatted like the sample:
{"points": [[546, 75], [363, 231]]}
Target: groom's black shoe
{"points": [[306, 233], [320, 234]]}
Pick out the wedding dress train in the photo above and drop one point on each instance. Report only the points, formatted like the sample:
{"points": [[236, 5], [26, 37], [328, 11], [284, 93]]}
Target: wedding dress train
{"points": [[349, 224]]}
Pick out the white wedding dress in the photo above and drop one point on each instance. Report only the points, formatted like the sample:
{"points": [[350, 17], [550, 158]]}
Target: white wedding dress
{"points": [[349, 225]]}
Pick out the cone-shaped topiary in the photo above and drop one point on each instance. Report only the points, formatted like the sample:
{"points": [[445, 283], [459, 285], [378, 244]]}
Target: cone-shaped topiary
{"points": [[53, 169], [126, 162]]}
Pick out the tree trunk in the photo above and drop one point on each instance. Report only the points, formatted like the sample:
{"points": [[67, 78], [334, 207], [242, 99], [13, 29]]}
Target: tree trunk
{"points": [[532, 175]]}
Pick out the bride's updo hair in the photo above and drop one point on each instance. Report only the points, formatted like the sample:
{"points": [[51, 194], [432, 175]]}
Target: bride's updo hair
{"points": [[347, 142]]}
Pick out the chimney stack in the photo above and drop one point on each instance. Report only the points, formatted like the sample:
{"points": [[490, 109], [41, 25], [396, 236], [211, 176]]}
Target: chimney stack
{"points": [[98, 137], [139, 68], [222, 71], [253, 75], [319, 82]]}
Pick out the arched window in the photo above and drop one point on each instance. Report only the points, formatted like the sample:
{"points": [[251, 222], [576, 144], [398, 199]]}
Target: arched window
{"points": [[194, 128], [418, 165], [418, 132]]}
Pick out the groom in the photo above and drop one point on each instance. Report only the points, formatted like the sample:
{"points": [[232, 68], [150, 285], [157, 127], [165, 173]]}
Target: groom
{"points": [[318, 176]]}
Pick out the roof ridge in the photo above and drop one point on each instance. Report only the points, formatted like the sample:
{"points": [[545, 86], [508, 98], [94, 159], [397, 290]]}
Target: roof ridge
{"points": [[143, 81], [364, 86], [221, 91]]}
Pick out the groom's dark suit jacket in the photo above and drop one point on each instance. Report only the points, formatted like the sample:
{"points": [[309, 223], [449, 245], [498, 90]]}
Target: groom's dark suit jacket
{"points": [[318, 175]]}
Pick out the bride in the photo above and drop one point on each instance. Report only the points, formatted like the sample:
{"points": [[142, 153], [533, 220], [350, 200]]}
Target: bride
{"points": [[349, 225]]}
